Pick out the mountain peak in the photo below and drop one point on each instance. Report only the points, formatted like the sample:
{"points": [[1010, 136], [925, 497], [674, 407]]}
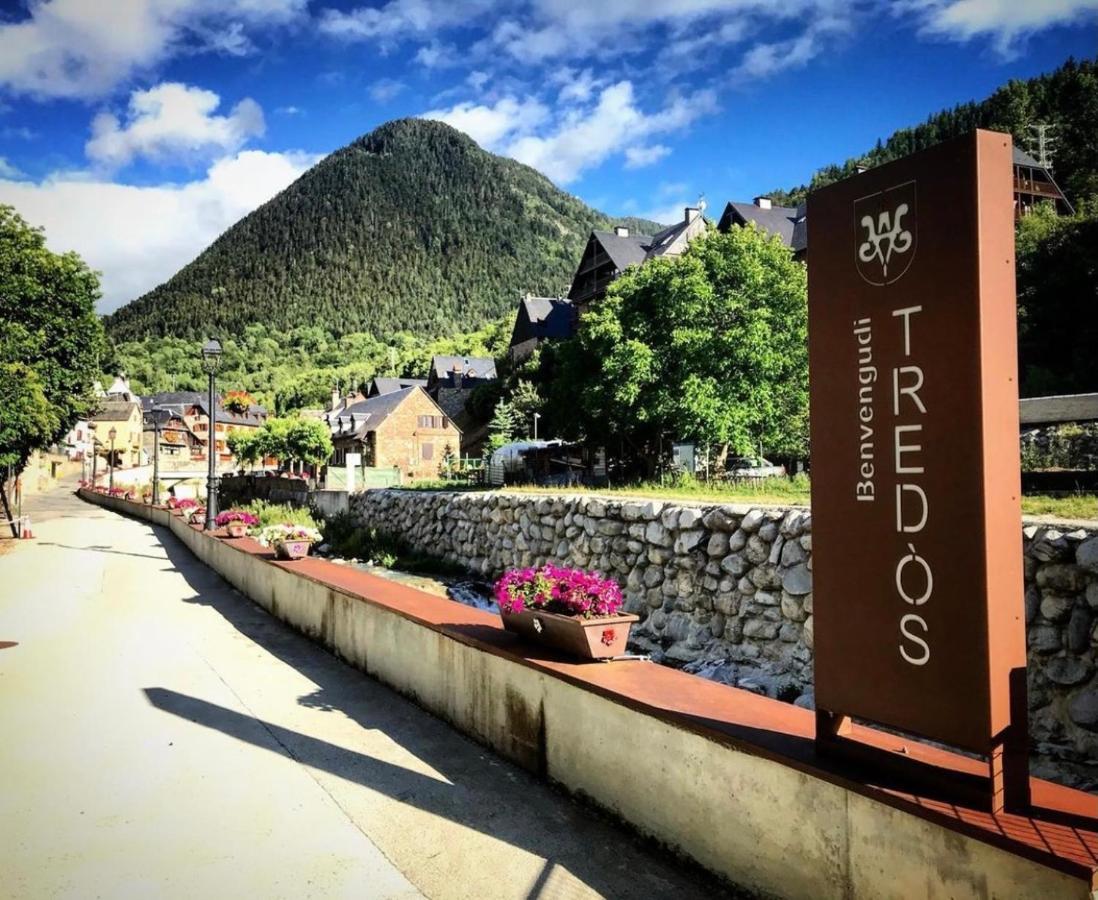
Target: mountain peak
{"points": [[412, 227]]}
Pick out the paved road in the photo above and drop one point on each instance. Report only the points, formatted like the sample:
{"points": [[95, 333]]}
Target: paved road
{"points": [[161, 736]]}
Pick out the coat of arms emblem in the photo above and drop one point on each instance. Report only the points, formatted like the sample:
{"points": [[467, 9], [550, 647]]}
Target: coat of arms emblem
{"points": [[886, 233]]}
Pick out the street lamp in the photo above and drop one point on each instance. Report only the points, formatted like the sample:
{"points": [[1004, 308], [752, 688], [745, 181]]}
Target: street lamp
{"points": [[211, 361], [157, 414], [536, 417], [95, 450], [112, 434]]}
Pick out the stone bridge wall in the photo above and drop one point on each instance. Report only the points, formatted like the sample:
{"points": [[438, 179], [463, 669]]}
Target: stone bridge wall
{"points": [[727, 590]]}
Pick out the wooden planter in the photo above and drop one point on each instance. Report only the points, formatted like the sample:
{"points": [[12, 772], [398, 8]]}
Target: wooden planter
{"points": [[237, 529], [586, 638], [292, 549]]}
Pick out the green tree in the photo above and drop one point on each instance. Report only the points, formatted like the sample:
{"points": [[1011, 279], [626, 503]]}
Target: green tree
{"points": [[525, 402], [309, 441], [51, 341], [504, 426], [245, 445], [1057, 271], [709, 347]]}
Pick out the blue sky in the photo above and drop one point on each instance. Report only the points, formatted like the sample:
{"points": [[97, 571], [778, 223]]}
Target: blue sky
{"points": [[136, 131]]}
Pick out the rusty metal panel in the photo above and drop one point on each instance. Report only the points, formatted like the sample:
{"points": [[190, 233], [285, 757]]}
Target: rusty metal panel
{"points": [[917, 569]]}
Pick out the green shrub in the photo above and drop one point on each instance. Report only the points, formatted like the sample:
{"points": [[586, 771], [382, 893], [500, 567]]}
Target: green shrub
{"points": [[278, 513]]}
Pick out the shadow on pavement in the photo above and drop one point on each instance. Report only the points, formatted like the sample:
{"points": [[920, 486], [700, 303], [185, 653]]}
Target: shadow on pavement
{"points": [[480, 791]]}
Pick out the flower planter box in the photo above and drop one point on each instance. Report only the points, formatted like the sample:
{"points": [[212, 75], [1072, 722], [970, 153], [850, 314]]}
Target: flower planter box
{"points": [[596, 638], [292, 549], [198, 517], [237, 529]]}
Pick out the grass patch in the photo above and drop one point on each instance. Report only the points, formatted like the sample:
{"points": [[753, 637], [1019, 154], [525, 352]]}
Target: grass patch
{"points": [[1073, 506], [782, 491]]}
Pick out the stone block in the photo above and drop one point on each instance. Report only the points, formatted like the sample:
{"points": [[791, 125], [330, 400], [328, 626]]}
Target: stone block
{"points": [[760, 629], [753, 521], [797, 580], [720, 519], [1044, 639], [1086, 555], [718, 544], [1067, 670], [1056, 607], [1078, 629], [1063, 577], [734, 565]]}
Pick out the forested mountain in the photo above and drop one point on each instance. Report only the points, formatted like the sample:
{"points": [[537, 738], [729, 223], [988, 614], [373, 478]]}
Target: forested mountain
{"points": [[412, 227], [1066, 100]]}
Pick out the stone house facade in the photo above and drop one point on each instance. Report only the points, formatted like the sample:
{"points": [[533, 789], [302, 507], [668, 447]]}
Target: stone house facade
{"points": [[403, 430]]}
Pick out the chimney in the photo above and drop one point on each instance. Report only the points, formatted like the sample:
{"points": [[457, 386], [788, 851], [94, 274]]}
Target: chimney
{"points": [[455, 376], [335, 397], [621, 231], [692, 212], [763, 203]]}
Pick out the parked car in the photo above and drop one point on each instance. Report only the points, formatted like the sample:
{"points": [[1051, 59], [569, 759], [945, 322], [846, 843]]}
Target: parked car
{"points": [[752, 467]]}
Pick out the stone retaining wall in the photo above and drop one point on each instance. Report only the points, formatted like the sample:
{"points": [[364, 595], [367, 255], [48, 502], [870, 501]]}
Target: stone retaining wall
{"points": [[727, 590]]}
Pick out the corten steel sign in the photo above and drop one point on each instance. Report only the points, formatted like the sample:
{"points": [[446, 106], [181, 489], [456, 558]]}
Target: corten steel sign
{"points": [[917, 563]]}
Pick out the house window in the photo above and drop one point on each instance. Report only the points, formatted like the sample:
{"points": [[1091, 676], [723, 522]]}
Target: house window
{"points": [[427, 451], [436, 422]]}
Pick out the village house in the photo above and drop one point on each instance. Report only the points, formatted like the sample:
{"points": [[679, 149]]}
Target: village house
{"points": [[609, 253], [190, 409], [450, 383], [124, 416], [404, 430], [787, 222]]}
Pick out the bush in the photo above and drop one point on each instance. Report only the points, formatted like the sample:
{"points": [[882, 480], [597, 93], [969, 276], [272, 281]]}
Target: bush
{"points": [[348, 540], [279, 514], [569, 592]]}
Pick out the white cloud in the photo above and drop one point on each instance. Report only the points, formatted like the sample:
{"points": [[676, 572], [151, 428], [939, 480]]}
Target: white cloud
{"points": [[139, 236], [767, 59], [7, 170], [385, 89], [437, 55], [82, 49], [400, 19], [1004, 21], [171, 120], [639, 157], [493, 126], [577, 137]]}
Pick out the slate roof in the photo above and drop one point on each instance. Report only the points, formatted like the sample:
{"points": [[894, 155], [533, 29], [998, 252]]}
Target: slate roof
{"points": [[115, 410], [549, 317], [480, 367], [367, 415], [1062, 408], [172, 399], [389, 385], [623, 251], [1021, 158], [779, 220]]}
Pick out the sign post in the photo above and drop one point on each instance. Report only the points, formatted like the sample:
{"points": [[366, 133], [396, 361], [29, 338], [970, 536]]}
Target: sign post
{"points": [[917, 562]]}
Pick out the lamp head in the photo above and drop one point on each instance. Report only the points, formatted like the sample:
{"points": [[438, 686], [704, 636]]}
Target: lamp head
{"points": [[113, 433], [211, 356]]}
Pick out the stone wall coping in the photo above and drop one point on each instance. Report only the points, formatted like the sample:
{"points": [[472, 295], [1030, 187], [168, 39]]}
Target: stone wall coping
{"points": [[1060, 831], [738, 509]]}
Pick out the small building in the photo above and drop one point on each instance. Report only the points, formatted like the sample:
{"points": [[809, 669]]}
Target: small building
{"points": [[609, 253], [451, 383], [191, 407], [124, 416], [405, 430], [1034, 184], [177, 441], [540, 319]]}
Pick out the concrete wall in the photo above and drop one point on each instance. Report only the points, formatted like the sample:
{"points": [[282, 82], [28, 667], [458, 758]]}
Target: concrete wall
{"points": [[758, 822], [728, 589]]}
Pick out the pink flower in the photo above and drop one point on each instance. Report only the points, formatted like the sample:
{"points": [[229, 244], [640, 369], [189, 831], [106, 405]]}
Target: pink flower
{"points": [[571, 592]]}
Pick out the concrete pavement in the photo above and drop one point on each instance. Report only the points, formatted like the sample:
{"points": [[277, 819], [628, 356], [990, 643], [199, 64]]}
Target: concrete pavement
{"points": [[163, 736]]}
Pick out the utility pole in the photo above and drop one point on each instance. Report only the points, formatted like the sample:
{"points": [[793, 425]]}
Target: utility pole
{"points": [[1042, 144]]}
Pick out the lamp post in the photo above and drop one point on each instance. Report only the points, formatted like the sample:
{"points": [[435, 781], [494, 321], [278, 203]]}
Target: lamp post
{"points": [[112, 434], [211, 361], [95, 450], [536, 417], [156, 414]]}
